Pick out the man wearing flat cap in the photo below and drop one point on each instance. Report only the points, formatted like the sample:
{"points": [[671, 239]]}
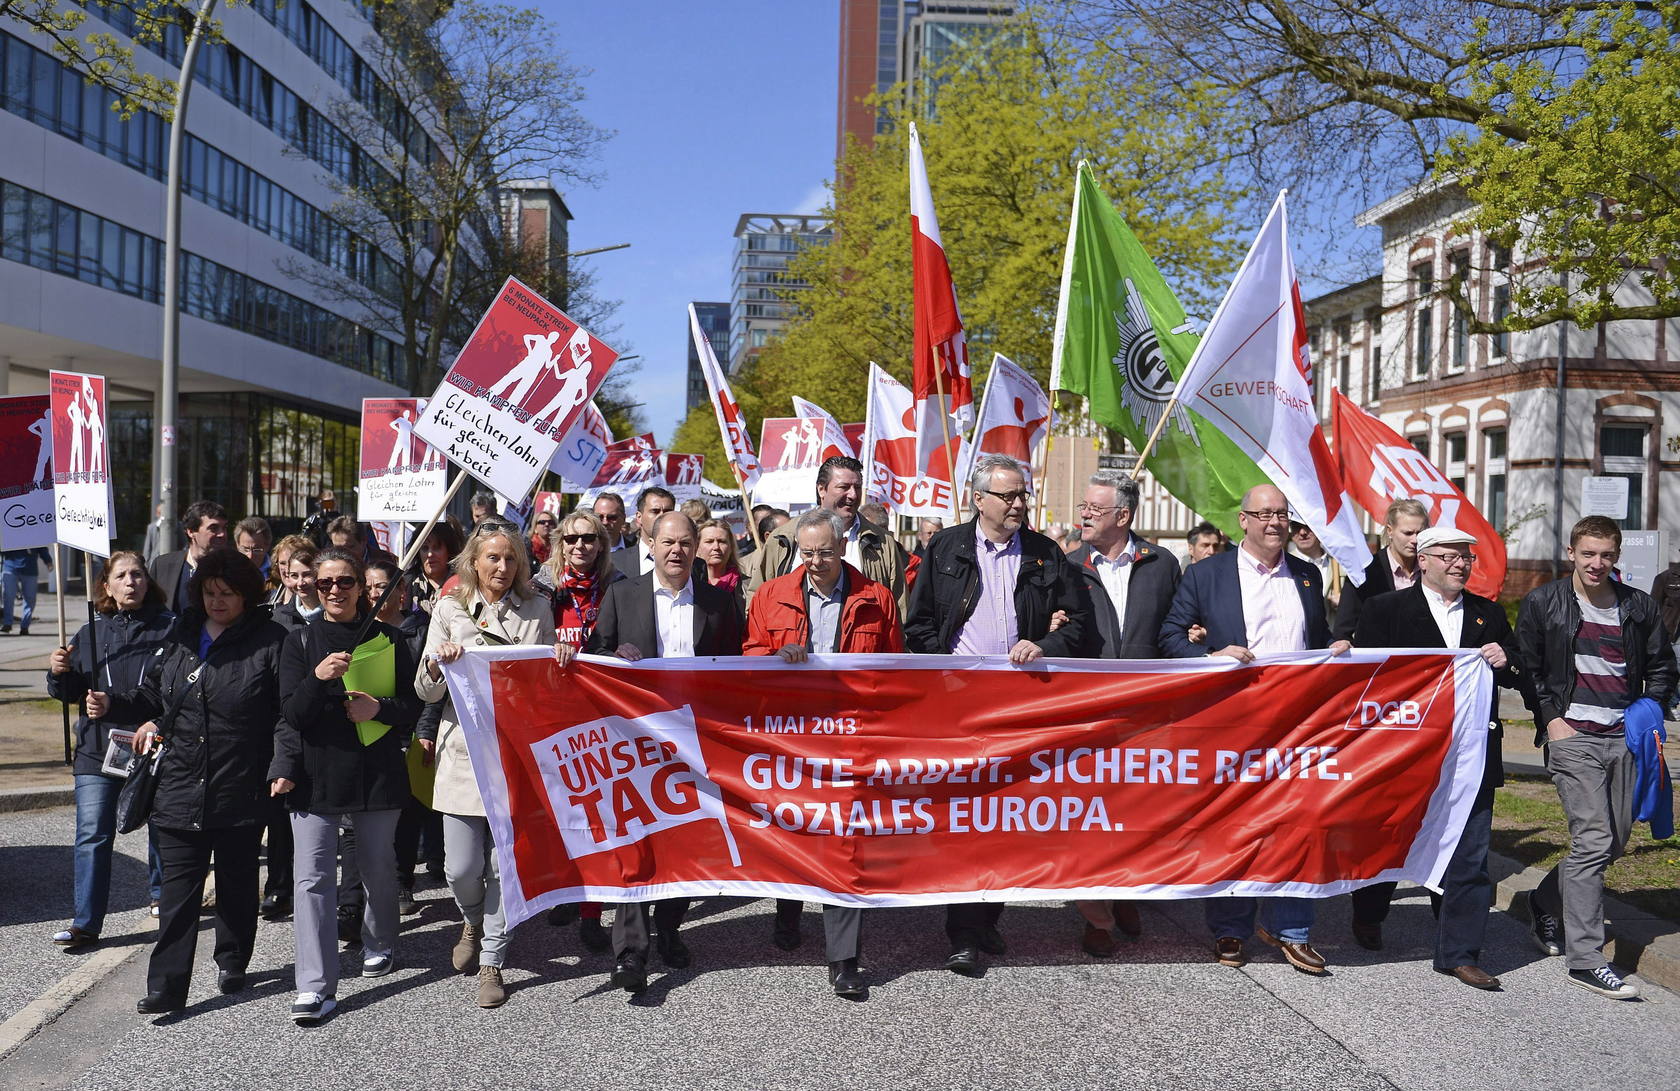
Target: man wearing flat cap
{"points": [[1437, 612]]}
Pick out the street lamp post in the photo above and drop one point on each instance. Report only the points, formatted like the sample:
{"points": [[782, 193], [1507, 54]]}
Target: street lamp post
{"points": [[169, 386]]}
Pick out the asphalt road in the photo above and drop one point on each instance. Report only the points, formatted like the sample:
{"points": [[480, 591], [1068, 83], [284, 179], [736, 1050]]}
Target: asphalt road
{"points": [[1159, 1016]]}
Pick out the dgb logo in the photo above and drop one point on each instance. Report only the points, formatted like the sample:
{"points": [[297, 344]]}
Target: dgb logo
{"points": [[1390, 714]]}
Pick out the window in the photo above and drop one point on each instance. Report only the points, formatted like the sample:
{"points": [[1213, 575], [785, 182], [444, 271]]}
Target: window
{"points": [[1501, 342], [1457, 446], [1420, 443], [1376, 373], [1460, 358], [1423, 332], [1494, 476], [1621, 447]]}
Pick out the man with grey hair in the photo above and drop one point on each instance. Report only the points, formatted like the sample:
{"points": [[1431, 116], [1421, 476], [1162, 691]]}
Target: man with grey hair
{"points": [[824, 606], [990, 587], [1131, 583]]}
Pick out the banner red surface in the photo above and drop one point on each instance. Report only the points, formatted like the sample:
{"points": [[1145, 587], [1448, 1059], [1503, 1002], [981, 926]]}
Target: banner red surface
{"points": [[897, 780]]}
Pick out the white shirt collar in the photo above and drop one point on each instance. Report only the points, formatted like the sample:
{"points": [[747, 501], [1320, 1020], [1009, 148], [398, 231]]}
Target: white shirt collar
{"points": [[684, 595], [1255, 564], [1439, 601]]}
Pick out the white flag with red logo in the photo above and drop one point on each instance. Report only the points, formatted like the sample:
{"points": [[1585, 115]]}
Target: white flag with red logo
{"points": [[889, 453], [1250, 379], [943, 389], [1015, 416], [1380, 467], [834, 441], [736, 443]]}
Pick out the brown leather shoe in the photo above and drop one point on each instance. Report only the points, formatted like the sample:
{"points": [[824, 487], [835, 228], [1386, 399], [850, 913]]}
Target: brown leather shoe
{"points": [[1473, 976], [1228, 951], [1368, 936], [1126, 918], [1097, 942], [1302, 956]]}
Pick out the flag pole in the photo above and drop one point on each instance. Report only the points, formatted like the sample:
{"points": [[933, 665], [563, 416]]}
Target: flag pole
{"points": [[950, 456], [64, 642], [1155, 434]]}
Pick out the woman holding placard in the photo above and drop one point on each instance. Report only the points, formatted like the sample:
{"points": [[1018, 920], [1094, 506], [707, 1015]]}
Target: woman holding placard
{"points": [[348, 704]]}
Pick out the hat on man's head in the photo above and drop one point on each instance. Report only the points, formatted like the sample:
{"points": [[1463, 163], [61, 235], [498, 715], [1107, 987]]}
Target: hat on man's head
{"points": [[1436, 536]]}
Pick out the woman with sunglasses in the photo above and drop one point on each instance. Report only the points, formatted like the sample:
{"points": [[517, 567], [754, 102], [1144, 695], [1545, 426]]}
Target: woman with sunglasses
{"points": [[493, 603], [218, 672], [580, 572], [540, 543], [339, 762], [717, 550]]}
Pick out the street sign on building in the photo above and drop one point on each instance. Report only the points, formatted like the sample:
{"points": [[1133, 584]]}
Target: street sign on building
{"points": [[1604, 496]]}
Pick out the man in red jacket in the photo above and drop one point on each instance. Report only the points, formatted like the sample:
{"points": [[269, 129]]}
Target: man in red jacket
{"points": [[823, 606]]}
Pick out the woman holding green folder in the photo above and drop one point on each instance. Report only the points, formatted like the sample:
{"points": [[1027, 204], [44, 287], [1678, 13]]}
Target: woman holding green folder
{"points": [[338, 762]]}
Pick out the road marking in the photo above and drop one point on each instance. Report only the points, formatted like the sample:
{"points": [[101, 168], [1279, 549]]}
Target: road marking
{"points": [[69, 989]]}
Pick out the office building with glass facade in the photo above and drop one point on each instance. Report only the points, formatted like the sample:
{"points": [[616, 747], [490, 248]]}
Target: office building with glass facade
{"points": [[760, 285]]}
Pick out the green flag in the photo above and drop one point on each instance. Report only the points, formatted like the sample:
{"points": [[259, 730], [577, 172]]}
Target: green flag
{"points": [[1122, 341]]}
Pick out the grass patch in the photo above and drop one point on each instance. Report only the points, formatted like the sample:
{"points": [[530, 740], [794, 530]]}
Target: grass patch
{"points": [[38, 704], [1529, 826]]}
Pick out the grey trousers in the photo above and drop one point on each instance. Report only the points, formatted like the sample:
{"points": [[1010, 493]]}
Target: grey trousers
{"points": [[842, 927], [315, 891], [469, 863], [1594, 775]]}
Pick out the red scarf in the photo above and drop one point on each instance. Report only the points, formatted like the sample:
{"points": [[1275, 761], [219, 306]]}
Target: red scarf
{"points": [[577, 607], [539, 547]]}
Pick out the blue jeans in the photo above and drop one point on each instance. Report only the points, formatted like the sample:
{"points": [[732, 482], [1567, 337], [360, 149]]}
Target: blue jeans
{"points": [[11, 582], [96, 829], [1287, 919]]}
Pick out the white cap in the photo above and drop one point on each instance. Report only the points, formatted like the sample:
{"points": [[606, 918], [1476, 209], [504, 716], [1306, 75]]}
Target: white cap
{"points": [[1435, 536]]}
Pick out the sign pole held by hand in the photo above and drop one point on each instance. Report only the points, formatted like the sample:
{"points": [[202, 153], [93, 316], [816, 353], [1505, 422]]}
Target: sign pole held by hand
{"points": [[63, 641], [415, 544]]}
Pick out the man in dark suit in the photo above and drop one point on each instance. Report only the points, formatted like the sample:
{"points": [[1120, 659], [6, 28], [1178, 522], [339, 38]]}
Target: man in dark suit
{"points": [[206, 523], [991, 587], [1254, 600], [1437, 612], [667, 613], [1131, 583], [636, 558], [1392, 568]]}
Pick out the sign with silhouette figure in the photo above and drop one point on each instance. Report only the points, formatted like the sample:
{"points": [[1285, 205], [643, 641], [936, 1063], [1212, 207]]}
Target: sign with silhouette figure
{"points": [[402, 477], [83, 515]]}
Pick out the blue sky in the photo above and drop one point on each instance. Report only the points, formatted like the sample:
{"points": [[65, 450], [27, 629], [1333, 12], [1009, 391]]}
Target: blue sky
{"points": [[720, 108]]}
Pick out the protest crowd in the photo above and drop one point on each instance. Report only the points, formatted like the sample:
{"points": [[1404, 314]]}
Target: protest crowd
{"points": [[313, 761]]}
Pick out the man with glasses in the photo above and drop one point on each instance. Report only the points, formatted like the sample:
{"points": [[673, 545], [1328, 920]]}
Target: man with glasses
{"points": [[1254, 600], [1130, 582], [609, 508], [1437, 612], [822, 607], [1392, 568], [990, 586]]}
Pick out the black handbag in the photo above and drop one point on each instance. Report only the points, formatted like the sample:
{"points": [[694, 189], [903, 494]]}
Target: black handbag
{"points": [[134, 801]]}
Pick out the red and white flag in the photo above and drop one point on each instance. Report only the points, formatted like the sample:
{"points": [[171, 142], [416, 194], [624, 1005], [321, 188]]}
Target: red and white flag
{"points": [[582, 450], [1380, 467], [631, 465], [889, 453], [736, 442], [943, 389], [1250, 377], [1015, 416], [835, 442]]}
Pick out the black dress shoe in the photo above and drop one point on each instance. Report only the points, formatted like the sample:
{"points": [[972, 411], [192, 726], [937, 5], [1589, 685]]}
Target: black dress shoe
{"points": [[159, 1004], [406, 905], [847, 979], [593, 936], [674, 952], [1368, 936], [562, 915], [230, 981], [275, 906], [629, 974], [786, 935], [991, 941], [965, 961]]}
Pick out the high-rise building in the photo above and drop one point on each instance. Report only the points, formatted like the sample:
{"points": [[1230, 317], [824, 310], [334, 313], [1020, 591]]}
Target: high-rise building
{"points": [[884, 42], [714, 322], [273, 368], [765, 243], [535, 217]]}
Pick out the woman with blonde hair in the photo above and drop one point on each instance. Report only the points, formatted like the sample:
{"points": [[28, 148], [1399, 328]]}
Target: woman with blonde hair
{"points": [[717, 550], [493, 603]]}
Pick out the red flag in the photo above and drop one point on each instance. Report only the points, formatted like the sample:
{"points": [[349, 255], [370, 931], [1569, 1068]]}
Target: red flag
{"points": [[1380, 467], [941, 349], [736, 443]]}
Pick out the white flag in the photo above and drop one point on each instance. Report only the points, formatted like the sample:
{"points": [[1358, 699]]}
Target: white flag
{"points": [[1015, 416], [583, 449], [736, 443], [889, 453], [1250, 377], [943, 390], [835, 442]]}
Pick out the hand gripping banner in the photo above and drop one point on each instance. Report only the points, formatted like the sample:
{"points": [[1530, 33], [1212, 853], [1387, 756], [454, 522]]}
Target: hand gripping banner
{"points": [[908, 780]]}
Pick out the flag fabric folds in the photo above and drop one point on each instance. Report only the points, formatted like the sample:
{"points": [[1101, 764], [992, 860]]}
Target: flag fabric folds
{"points": [[834, 440], [943, 389], [737, 444], [1015, 416], [889, 453]]}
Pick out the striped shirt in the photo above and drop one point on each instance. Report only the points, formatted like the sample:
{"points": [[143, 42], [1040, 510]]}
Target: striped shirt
{"points": [[1601, 682]]}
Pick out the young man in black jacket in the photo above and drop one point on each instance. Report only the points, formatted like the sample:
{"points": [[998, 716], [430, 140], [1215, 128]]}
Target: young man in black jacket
{"points": [[1592, 646], [990, 587]]}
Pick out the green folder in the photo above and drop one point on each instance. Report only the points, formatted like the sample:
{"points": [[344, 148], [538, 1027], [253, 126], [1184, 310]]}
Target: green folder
{"points": [[373, 671]]}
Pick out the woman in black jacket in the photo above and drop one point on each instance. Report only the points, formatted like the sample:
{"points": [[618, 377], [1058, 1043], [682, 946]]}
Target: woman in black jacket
{"points": [[130, 624], [339, 761], [218, 670]]}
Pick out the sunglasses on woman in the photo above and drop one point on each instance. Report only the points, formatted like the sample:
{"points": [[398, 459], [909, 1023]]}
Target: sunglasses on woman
{"points": [[574, 539], [343, 583]]}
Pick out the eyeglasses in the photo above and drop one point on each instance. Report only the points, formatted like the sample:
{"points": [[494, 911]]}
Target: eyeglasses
{"points": [[544, 523], [574, 539], [343, 583], [1452, 558], [816, 554], [492, 527], [1268, 516], [1094, 509], [1010, 499]]}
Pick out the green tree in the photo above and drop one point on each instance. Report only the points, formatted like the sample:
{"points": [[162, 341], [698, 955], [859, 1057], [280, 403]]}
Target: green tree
{"points": [[101, 57], [1002, 151]]}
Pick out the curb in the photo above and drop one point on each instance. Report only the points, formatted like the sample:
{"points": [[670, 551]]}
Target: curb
{"points": [[47, 1007], [37, 799], [1638, 942]]}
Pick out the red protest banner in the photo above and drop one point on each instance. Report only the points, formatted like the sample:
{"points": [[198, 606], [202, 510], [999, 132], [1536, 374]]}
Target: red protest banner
{"points": [[84, 514], [26, 485], [402, 477], [898, 780]]}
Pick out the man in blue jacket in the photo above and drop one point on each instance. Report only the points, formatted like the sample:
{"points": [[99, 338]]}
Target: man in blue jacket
{"points": [[1254, 600]]}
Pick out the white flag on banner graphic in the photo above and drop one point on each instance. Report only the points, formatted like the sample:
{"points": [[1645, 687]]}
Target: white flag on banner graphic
{"points": [[1249, 378], [889, 453], [834, 438], [1015, 416], [736, 443]]}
